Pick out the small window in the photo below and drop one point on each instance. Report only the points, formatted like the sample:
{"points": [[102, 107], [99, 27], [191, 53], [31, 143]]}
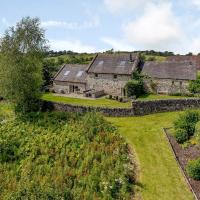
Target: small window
{"points": [[115, 76], [96, 75], [101, 62], [66, 73], [79, 73], [122, 63], [181, 83], [172, 82]]}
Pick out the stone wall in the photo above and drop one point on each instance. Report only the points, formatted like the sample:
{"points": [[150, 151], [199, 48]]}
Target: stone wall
{"points": [[139, 107], [167, 86], [114, 112], [65, 86], [108, 83], [159, 106]]}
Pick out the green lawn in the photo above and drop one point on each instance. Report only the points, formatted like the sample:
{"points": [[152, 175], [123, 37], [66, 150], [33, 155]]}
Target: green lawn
{"points": [[101, 102], [160, 177], [160, 96]]}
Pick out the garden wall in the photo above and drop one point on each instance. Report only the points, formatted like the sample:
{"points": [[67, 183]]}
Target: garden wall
{"points": [[139, 107], [158, 106], [114, 112]]}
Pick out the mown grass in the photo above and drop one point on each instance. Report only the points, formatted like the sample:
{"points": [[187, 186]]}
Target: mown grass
{"points": [[101, 102], [160, 96], [62, 156], [156, 58], [160, 177]]}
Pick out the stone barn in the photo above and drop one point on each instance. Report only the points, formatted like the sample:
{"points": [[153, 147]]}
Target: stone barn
{"points": [[111, 72], [169, 77], [71, 79], [194, 59]]}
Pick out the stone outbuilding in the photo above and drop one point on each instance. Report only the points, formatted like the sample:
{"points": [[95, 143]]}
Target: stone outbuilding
{"points": [[71, 79], [194, 59], [169, 77], [111, 72]]}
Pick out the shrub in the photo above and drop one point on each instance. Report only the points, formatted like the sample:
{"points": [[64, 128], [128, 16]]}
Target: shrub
{"points": [[181, 136], [187, 122], [135, 88], [110, 96], [194, 86], [193, 169]]}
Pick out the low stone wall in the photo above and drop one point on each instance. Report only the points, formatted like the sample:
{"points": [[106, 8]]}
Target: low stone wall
{"points": [[114, 112], [139, 107], [158, 106]]}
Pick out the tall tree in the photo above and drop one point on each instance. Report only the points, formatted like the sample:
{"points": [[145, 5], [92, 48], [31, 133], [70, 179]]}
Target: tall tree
{"points": [[21, 54]]}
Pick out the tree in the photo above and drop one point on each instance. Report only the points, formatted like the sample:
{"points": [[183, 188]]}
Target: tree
{"points": [[21, 54], [194, 86]]}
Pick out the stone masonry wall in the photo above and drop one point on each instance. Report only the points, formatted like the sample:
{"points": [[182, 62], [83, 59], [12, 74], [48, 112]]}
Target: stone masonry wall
{"points": [[108, 83], [139, 107], [65, 86], [168, 86]]}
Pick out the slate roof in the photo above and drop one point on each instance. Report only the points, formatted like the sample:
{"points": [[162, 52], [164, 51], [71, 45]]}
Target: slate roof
{"points": [[72, 73], [194, 59], [114, 64], [170, 70]]}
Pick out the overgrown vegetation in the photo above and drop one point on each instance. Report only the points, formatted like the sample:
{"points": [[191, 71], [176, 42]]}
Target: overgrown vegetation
{"points": [[135, 87], [193, 169], [22, 49], [185, 126], [194, 86], [63, 156]]}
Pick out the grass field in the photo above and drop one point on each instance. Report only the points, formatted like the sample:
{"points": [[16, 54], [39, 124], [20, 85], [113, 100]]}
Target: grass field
{"points": [[160, 96], [101, 102], [160, 177], [157, 58]]}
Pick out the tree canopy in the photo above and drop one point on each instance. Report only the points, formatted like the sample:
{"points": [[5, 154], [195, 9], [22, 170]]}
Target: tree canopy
{"points": [[21, 54]]}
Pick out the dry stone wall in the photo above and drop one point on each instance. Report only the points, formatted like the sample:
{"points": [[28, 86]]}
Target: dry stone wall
{"points": [[139, 108]]}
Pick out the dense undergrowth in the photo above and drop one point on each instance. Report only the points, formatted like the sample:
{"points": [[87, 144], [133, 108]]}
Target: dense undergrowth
{"points": [[63, 156]]}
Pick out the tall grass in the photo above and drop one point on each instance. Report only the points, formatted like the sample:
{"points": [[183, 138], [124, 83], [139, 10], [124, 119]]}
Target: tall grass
{"points": [[63, 156]]}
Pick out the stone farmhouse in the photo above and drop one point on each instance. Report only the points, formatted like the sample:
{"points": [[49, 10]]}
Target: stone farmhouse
{"points": [[168, 77], [109, 73], [71, 79]]}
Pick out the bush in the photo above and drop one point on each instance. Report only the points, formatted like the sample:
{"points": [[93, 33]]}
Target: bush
{"points": [[187, 122], [194, 86], [181, 136], [193, 169], [135, 88]]}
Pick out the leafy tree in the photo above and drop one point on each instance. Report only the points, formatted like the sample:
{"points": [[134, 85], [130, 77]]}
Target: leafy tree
{"points": [[21, 54], [135, 88], [194, 86]]}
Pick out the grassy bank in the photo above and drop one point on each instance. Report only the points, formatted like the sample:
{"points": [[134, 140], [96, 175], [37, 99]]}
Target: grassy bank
{"points": [[160, 177], [101, 102]]}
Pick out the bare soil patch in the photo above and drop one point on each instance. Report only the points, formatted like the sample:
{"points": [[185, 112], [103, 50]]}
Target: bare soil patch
{"points": [[183, 155]]}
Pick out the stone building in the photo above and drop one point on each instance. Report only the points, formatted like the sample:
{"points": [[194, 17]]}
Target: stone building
{"points": [[111, 72], [71, 79], [169, 77], [194, 59]]}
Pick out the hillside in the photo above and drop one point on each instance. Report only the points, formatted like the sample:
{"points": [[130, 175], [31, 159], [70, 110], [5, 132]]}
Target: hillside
{"points": [[62, 156]]}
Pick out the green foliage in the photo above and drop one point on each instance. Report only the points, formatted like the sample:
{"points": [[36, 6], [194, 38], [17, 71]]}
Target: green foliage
{"points": [[135, 88], [63, 156], [193, 169], [22, 49], [185, 124], [181, 136], [194, 86]]}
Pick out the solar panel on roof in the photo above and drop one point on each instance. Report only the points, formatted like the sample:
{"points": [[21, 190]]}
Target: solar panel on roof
{"points": [[66, 73]]}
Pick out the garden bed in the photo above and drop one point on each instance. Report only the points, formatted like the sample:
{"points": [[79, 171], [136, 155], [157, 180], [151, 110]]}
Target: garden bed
{"points": [[183, 155]]}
